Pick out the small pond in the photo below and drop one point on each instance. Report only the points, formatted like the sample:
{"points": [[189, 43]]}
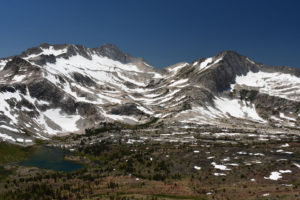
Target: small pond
{"points": [[51, 158]]}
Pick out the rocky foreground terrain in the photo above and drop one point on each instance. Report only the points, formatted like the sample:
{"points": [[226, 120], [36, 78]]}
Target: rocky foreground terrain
{"points": [[56, 90]]}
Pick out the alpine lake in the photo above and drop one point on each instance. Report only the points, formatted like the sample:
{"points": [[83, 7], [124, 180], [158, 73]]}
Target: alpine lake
{"points": [[51, 158]]}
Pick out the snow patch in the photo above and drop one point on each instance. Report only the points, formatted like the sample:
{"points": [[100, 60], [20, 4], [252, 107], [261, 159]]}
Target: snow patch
{"points": [[5, 137], [277, 175], [220, 167], [66, 122]]}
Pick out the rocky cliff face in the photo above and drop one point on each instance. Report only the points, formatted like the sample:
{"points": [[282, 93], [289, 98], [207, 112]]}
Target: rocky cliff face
{"points": [[60, 89]]}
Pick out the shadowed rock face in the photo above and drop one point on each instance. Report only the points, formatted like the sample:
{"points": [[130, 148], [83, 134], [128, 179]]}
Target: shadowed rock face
{"points": [[127, 109], [219, 77], [16, 63], [32, 51], [84, 80], [43, 59], [59, 89], [113, 52]]}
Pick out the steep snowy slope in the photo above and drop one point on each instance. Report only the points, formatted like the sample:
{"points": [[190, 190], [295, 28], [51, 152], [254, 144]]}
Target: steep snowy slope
{"points": [[60, 89]]}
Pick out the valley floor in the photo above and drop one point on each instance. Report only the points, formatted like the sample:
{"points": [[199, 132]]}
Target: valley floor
{"points": [[230, 167]]}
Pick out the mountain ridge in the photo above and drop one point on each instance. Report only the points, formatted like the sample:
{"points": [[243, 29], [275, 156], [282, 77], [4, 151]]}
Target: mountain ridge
{"points": [[112, 47], [61, 89]]}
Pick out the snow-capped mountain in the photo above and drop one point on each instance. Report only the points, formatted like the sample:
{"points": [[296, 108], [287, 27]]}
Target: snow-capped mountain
{"points": [[59, 89]]}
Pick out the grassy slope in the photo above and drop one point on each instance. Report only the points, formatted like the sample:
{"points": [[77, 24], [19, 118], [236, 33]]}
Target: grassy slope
{"points": [[12, 153]]}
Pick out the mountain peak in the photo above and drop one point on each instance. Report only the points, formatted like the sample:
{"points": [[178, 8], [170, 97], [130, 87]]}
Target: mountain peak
{"points": [[67, 50], [110, 46], [44, 45], [113, 52], [230, 54]]}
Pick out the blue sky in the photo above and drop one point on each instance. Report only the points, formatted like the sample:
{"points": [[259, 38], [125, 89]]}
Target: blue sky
{"points": [[163, 32]]}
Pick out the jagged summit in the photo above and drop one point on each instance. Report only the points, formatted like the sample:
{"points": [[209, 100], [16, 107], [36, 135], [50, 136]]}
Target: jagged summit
{"points": [[60, 89], [113, 52], [67, 50]]}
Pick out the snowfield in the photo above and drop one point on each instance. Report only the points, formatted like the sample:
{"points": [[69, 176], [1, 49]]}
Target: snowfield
{"points": [[275, 84]]}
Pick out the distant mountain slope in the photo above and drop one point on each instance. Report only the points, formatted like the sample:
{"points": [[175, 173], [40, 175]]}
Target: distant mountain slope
{"points": [[58, 89]]}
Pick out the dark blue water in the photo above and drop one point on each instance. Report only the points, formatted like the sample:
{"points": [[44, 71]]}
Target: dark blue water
{"points": [[51, 158]]}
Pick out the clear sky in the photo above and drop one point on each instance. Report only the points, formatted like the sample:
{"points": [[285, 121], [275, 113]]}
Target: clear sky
{"points": [[163, 32]]}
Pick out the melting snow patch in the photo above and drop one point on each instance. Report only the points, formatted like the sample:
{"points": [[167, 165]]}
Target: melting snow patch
{"points": [[233, 164], [179, 82], [197, 167], [175, 69], [285, 145], [18, 78], [226, 159], [20, 140], [259, 154], [130, 141], [285, 171], [53, 51], [297, 165], [220, 167], [28, 140], [5, 137], [195, 63], [205, 133], [9, 128], [282, 115], [219, 174], [67, 122], [238, 109], [263, 139], [276, 118], [204, 65], [274, 176], [288, 185], [277, 175], [282, 151]]}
